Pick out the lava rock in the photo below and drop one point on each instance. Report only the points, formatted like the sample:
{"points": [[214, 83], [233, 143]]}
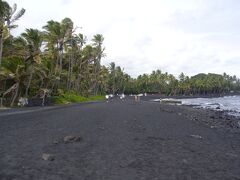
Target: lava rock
{"points": [[196, 136], [55, 142], [212, 117], [47, 157], [68, 139]]}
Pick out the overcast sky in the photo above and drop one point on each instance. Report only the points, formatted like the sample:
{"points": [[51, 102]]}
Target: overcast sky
{"points": [[189, 36]]}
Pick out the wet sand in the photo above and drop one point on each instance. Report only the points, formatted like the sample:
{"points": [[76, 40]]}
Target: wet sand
{"points": [[119, 141]]}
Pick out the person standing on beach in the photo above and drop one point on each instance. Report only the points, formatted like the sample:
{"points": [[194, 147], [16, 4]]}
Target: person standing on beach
{"points": [[137, 98], [107, 98], [122, 97]]}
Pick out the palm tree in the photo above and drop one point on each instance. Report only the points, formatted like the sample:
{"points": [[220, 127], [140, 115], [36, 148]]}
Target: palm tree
{"points": [[8, 16], [52, 35], [112, 77], [80, 39], [58, 35], [66, 36], [99, 53], [33, 40]]}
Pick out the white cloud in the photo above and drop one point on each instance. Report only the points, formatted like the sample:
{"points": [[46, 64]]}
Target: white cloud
{"points": [[190, 36]]}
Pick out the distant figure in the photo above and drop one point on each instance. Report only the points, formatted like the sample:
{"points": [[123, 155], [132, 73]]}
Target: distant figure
{"points": [[122, 97], [137, 98], [110, 96], [22, 101], [107, 97], [44, 95]]}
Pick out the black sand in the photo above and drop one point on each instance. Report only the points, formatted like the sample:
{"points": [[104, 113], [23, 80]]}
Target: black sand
{"points": [[120, 141]]}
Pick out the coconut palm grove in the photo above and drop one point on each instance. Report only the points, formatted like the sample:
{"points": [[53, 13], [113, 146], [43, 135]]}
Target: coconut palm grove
{"points": [[61, 64]]}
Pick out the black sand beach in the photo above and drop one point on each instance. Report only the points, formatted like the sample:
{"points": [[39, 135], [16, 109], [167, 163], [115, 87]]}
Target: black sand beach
{"points": [[119, 141]]}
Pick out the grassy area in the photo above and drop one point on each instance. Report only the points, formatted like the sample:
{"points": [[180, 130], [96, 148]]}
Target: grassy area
{"points": [[68, 98]]}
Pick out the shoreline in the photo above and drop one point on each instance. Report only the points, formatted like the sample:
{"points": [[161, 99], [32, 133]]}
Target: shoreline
{"points": [[217, 111], [209, 117], [157, 96], [212, 118]]}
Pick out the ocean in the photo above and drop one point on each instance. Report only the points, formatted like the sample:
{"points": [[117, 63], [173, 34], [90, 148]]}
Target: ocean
{"points": [[230, 104]]}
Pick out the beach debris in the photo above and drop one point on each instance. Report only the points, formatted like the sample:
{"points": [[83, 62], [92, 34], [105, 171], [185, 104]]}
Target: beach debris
{"points": [[196, 136], [68, 139], [47, 157]]}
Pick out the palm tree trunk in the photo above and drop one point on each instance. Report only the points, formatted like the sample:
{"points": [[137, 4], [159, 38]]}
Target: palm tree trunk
{"points": [[60, 62], [29, 81], [1, 45], [69, 69], [15, 95], [71, 72], [79, 77]]}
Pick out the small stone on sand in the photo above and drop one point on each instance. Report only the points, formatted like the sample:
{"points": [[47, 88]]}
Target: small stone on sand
{"points": [[55, 142], [47, 157], [196, 136], [68, 139]]}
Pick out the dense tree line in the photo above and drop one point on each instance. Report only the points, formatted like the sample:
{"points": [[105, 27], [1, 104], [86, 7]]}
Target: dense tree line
{"points": [[167, 84], [201, 84], [56, 59]]}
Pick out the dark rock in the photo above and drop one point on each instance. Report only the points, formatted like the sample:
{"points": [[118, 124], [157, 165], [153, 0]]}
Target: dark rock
{"points": [[47, 157], [196, 136], [68, 139], [55, 142]]}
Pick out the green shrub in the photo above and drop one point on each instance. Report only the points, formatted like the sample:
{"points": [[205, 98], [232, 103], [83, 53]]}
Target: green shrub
{"points": [[72, 97]]}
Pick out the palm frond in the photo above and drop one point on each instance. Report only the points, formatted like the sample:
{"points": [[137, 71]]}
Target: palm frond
{"points": [[13, 9], [18, 15]]}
